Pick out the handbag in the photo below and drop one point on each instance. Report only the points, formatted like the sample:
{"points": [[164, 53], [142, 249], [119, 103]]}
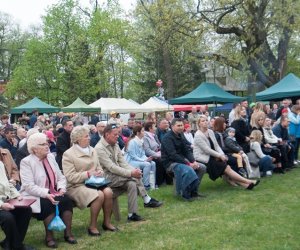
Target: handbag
{"points": [[97, 182], [56, 224], [253, 158]]}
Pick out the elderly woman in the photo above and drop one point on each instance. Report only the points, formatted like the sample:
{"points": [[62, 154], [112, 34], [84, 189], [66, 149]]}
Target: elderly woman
{"points": [[79, 163], [42, 179], [14, 221], [135, 155], [208, 152]]}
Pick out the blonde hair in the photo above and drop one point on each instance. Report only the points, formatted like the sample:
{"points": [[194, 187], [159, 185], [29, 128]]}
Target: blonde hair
{"points": [[78, 132], [256, 135], [256, 116], [237, 112]]}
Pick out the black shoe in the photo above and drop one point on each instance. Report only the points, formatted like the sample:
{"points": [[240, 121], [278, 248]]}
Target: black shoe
{"points": [[256, 183], [198, 195], [153, 203], [134, 217], [90, 233], [105, 228], [250, 186], [70, 240], [281, 171]]}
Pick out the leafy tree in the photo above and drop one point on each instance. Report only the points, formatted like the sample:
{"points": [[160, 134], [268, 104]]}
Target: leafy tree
{"points": [[251, 35]]}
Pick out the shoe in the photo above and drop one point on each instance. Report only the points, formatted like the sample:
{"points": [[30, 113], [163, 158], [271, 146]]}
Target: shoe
{"points": [[90, 233], [105, 228], [70, 240], [250, 186], [269, 173], [295, 162], [153, 203], [51, 243], [198, 195], [281, 171], [256, 183], [26, 247], [188, 199], [134, 217]]}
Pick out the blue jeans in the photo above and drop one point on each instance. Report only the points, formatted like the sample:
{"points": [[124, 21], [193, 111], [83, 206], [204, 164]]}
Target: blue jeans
{"points": [[265, 164], [146, 167], [187, 181]]}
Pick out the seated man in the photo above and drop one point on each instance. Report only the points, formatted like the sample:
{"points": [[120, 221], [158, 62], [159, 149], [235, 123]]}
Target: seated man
{"points": [[11, 168], [179, 159], [281, 131], [13, 221], [123, 177]]}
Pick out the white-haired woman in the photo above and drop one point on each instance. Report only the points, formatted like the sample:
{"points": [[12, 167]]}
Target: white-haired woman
{"points": [[79, 163], [42, 179]]}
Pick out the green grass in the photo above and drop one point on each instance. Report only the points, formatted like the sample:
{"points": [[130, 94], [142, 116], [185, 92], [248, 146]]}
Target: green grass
{"points": [[229, 218]]}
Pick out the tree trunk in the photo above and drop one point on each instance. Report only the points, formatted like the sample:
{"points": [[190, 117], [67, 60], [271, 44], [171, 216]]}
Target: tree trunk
{"points": [[169, 72]]}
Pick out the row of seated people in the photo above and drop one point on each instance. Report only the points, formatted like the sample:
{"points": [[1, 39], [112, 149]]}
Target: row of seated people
{"points": [[42, 180]]}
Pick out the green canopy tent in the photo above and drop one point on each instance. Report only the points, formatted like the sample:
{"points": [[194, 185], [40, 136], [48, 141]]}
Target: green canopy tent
{"points": [[289, 86], [80, 106], [34, 104], [206, 93]]}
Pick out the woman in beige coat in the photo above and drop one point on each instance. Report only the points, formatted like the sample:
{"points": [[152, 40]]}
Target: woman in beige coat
{"points": [[79, 163]]}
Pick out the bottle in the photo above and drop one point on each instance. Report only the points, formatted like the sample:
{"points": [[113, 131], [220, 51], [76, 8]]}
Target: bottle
{"points": [[152, 180]]}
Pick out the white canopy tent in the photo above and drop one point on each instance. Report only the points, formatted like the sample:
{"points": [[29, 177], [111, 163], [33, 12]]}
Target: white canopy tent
{"points": [[156, 104], [120, 105]]}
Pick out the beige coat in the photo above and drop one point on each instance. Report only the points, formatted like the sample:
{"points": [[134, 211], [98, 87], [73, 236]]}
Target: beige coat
{"points": [[113, 162], [10, 165], [7, 189], [202, 150], [76, 164], [33, 178]]}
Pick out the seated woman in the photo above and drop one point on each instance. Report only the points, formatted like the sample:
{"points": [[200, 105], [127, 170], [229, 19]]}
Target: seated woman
{"points": [[79, 163], [208, 152], [136, 157], [266, 162], [257, 123], [14, 221], [219, 130], [42, 179]]}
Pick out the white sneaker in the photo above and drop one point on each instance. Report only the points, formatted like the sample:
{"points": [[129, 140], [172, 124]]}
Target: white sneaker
{"points": [[298, 161], [269, 173], [295, 162]]}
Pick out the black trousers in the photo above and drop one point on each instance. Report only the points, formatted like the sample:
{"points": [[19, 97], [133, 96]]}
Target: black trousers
{"points": [[15, 223], [161, 175]]}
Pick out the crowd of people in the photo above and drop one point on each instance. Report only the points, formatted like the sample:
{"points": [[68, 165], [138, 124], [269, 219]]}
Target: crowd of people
{"points": [[49, 159]]}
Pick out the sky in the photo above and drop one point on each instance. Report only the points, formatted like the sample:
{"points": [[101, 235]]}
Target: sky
{"points": [[27, 12]]}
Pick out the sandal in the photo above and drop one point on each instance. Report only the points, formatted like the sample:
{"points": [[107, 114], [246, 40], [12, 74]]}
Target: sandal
{"points": [[51, 243], [70, 239]]}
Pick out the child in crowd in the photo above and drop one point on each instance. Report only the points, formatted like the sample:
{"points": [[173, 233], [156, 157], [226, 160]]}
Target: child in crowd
{"points": [[236, 151], [187, 134]]}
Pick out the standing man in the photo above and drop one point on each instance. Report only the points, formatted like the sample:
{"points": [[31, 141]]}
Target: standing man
{"points": [[60, 118], [193, 117], [97, 136], [63, 142], [123, 177], [33, 118], [177, 158]]}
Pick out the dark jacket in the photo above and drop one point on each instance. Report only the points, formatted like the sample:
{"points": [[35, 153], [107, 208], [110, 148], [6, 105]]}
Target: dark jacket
{"points": [[63, 143], [160, 134], [241, 130], [4, 143], [94, 139], [232, 145], [174, 149], [32, 120], [281, 132], [22, 152]]}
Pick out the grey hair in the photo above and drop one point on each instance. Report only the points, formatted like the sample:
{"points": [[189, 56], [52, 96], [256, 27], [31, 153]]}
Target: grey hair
{"points": [[78, 132], [34, 140]]}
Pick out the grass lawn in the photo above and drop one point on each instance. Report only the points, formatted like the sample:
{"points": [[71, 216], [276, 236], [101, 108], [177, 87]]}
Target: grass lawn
{"points": [[229, 218]]}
